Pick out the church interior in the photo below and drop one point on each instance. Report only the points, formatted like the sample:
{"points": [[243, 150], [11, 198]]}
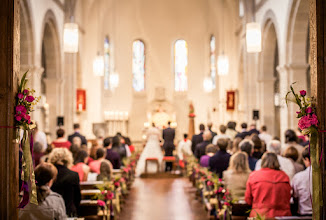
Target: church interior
{"points": [[142, 74]]}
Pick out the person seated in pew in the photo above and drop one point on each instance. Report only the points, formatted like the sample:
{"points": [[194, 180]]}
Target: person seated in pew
{"points": [[67, 182], [111, 155], [80, 165], [50, 204], [211, 149], [105, 171], [268, 189], [95, 165], [220, 161], [302, 186], [236, 176]]}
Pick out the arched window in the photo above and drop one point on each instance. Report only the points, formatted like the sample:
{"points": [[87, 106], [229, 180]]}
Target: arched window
{"points": [[138, 65], [106, 63], [180, 66], [213, 61]]}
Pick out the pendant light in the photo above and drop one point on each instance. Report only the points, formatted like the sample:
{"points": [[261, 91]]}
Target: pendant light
{"points": [[98, 62], [70, 33], [253, 37], [208, 84], [223, 60]]}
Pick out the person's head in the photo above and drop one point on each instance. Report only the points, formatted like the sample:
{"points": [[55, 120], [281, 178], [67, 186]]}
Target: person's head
{"points": [[229, 125], [169, 123], [74, 149], [115, 141], [263, 128], [81, 157], [222, 144], [290, 136], [105, 170], [61, 156], [257, 142], [209, 125], [100, 153], [92, 152], [202, 127], [252, 126], [207, 136], [291, 152], [45, 174], [275, 147], [269, 160], [107, 142], [185, 136], [239, 163], [37, 147], [128, 141], [48, 149], [211, 149], [235, 144], [119, 134], [60, 133], [153, 124], [244, 125], [76, 126], [247, 146], [222, 129], [77, 141], [306, 156]]}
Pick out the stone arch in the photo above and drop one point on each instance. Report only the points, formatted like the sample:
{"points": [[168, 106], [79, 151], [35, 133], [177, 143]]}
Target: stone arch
{"points": [[51, 78], [268, 78], [26, 37], [296, 44]]}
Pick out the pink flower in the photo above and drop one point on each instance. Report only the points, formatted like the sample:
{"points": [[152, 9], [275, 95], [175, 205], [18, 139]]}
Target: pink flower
{"points": [[109, 196], [308, 121], [27, 117], [25, 91], [20, 109], [18, 117], [29, 98], [100, 203], [227, 204], [210, 183], [117, 184], [220, 189], [298, 112], [303, 92], [220, 180], [20, 96], [309, 110]]}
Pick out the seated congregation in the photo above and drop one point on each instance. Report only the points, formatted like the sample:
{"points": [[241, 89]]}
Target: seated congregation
{"points": [[75, 180], [254, 172]]}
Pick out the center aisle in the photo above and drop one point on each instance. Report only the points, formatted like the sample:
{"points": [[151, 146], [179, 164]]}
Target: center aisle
{"points": [[162, 199]]}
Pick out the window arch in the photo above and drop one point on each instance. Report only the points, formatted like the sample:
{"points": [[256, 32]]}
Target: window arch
{"points": [[180, 66], [213, 61], [138, 65], [106, 63]]}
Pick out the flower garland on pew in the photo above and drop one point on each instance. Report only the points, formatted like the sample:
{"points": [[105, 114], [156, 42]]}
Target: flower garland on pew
{"points": [[211, 189], [105, 198], [25, 100], [308, 123]]}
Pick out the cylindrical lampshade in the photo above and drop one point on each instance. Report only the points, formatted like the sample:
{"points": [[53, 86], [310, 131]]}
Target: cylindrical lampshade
{"points": [[253, 37], [208, 84], [98, 66], [223, 65], [70, 38], [114, 80]]}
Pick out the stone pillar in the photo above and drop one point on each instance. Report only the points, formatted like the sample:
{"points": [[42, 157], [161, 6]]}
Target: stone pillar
{"points": [[9, 65], [53, 99]]}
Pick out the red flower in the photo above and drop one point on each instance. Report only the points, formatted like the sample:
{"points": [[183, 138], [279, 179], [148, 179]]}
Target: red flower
{"points": [[25, 91], [227, 204], [309, 110], [109, 196], [29, 98], [117, 184], [100, 203], [303, 92], [20, 109], [18, 117], [20, 96], [210, 183]]}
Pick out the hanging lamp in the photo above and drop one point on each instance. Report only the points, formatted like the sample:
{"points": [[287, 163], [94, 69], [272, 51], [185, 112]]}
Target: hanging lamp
{"points": [[98, 65], [253, 37], [223, 65]]}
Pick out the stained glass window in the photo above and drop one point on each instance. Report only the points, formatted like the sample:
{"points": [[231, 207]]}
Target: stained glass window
{"points": [[180, 66], [213, 61], [138, 65], [106, 63]]}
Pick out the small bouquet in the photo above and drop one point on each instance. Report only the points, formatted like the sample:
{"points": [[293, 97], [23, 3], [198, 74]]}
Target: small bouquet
{"points": [[25, 102], [191, 111], [105, 198]]}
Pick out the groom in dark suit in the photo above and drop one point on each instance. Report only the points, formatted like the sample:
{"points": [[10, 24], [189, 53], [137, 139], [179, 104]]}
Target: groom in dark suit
{"points": [[168, 146]]}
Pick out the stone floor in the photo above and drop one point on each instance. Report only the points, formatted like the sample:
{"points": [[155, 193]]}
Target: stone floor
{"points": [[162, 199]]}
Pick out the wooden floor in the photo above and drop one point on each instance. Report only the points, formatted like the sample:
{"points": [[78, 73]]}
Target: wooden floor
{"points": [[162, 199]]}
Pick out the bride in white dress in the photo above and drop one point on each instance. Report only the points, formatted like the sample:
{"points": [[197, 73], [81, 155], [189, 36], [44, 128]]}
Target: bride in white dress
{"points": [[151, 150]]}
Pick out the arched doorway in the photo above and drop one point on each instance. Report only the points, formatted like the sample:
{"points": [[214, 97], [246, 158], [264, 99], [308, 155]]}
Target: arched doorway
{"points": [[50, 79], [269, 78]]}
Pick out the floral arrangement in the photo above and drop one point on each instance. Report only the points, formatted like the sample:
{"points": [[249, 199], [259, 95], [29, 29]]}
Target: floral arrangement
{"points": [[191, 111], [105, 198], [25, 102], [308, 123]]}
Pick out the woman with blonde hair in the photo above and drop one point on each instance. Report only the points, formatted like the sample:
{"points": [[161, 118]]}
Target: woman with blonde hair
{"points": [[67, 183], [236, 176]]}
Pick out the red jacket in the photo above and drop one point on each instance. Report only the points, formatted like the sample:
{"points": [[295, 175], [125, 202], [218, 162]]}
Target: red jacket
{"points": [[269, 193]]}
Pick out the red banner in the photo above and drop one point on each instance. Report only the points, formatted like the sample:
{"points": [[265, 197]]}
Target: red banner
{"points": [[81, 100], [230, 100]]}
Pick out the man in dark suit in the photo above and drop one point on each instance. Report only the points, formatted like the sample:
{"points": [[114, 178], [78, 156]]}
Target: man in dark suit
{"points": [[201, 147], [168, 146], [220, 161], [198, 138], [253, 129], [243, 132], [77, 134], [209, 126]]}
